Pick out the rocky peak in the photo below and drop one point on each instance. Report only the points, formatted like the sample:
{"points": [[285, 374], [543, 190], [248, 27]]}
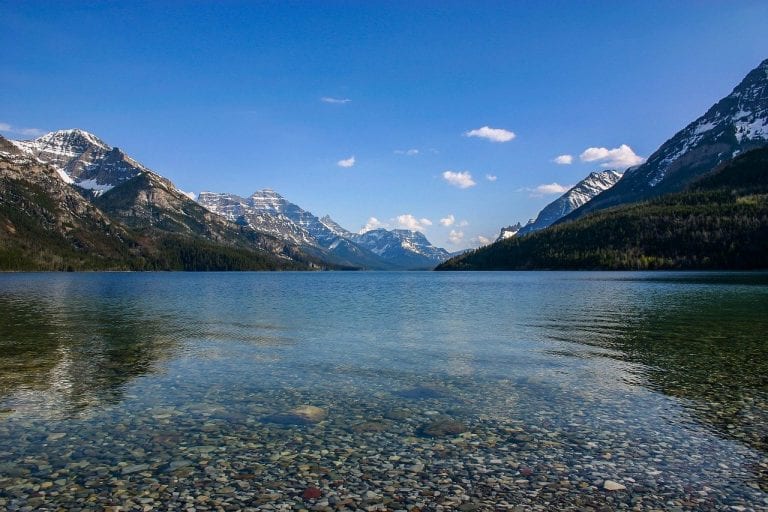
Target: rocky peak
{"points": [[590, 187]]}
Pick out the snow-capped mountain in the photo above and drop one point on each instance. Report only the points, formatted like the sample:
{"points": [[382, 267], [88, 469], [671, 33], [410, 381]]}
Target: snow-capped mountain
{"points": [[588, 188], [258, 212], [409, 249], [83, 159], [509, 231], [735, 124], [267, 211]]}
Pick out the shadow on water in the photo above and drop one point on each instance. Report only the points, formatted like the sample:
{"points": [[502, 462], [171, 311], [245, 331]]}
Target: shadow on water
{"points": [[62, 355], [704, 345]]}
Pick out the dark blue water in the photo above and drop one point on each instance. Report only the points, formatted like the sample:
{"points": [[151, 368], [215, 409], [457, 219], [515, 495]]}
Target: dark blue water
{"points": [[118, 388]]}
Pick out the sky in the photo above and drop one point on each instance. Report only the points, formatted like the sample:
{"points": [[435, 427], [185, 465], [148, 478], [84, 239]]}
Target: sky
{"points": [[454, 118]]}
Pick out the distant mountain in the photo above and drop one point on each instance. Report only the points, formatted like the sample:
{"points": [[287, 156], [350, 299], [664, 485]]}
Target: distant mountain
{"points": [[83, 159], [735, 124], [509, 231], [268, 212], [581, 193], [719, 222], [403, 247], [260, 215]]}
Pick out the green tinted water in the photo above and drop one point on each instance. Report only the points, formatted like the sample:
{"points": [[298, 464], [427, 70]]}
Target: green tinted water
{"points": [[489, 389]]}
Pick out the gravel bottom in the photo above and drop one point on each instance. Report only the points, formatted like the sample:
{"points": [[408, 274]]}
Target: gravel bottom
{"points": [[421, 448]]}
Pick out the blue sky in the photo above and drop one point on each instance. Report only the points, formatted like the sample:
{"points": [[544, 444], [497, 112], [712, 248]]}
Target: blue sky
{"points": [[239, 96]]}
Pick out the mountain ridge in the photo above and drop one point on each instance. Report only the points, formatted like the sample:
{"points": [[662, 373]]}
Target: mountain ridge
{"points": [[734, 124], [584, 191]]}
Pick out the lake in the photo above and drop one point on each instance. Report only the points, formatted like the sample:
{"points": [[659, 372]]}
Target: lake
{"points": [[384, 391]]}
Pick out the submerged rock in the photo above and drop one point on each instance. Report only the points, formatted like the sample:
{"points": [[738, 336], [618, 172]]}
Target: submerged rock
{"points": [[443, 426], [370, 426], [610, 485], [422, 393], [311, 493], [301, 415]]}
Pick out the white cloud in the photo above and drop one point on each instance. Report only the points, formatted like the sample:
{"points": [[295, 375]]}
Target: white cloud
{"points": [[619, 158], [491, 177], [347, 162], [459, 179], [408, 221], [373, 223], [407, 152], [455, 237], [551, 188], [335, 101], [448, 221], [492, 134], [480, 240], [463, 224], [190, 195], [564, 160], [31, 132]]}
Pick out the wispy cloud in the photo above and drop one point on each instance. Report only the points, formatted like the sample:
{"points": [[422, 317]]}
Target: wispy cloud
{"points": [[347, 162], [30, 132], [335, 101], [407, 152], [564, 159], [616, 158], [548, 189], [462, 179], [448, 221], [408, 221], [491, 177], [373, 223], [492, 134]]}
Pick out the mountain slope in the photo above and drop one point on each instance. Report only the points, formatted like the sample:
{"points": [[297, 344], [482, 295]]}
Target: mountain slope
{"points": [[169, 222], [46, 225], [720, 222], [141, 223], [735, 124], [581, 193]]}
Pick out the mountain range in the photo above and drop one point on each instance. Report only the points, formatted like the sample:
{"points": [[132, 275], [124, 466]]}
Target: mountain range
{"points": [[672, 196], [380, 249], [163, 227], [68, 200]]}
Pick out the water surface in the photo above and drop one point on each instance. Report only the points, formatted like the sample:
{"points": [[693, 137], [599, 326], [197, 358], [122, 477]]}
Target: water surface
{"points": [[471, 391]]}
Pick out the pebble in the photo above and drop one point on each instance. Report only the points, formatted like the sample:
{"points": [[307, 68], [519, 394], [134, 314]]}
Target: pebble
{"points": [[610, 485]]}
